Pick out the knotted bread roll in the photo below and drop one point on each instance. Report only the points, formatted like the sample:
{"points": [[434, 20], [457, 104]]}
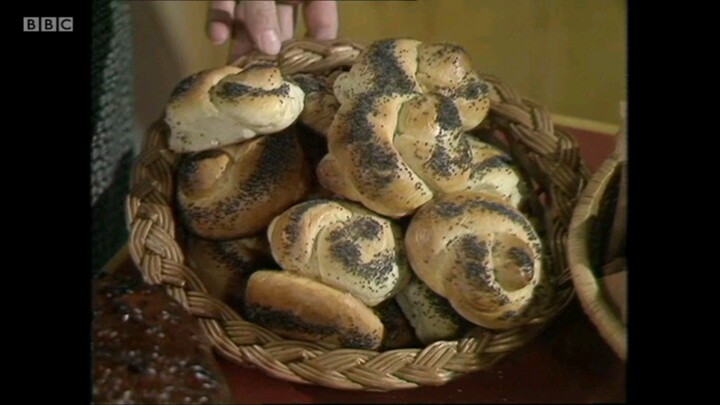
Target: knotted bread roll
{"points": [[397, 138], [225, 266], [404, 66], [398, 331], [297, 307], [226, 105], [343, 246], [494, 172], [430, 315], [480, 253], [237, 190], [320, 102]]}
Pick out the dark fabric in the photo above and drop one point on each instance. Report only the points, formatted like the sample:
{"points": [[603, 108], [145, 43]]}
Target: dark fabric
{"points": [[112, 123]]}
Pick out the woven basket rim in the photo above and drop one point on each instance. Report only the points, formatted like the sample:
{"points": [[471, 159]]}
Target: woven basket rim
{"points": [[593, 301], [550, 156]]}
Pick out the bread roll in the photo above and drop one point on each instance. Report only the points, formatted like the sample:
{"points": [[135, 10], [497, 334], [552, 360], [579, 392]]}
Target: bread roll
{"points": [[341, 245], [480, 253], [398, 331], [430, 315], [494, 172], [320, 102], [235, 191], [226, 105], [297, 307], [224, 266], [406, 66], [397, 138]]}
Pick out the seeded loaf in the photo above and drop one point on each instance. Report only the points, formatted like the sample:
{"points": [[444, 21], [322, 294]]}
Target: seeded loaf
{"points": [[147, 349]]}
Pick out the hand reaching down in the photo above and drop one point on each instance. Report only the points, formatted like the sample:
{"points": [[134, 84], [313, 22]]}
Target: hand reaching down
{"points": [[264, 25]]}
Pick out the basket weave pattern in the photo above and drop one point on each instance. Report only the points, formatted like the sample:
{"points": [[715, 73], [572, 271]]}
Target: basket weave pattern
{"points": [[548, 156]]}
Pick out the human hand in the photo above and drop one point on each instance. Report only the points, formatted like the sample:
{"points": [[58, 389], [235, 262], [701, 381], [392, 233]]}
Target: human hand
{"points": [[264, 24]]}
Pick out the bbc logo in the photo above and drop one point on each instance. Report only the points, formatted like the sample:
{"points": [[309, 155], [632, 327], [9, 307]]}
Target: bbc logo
{"points": [[47, 24]]}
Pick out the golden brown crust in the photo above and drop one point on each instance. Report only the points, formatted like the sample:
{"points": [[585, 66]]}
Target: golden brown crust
{"points": [[480, 253], [398, 331], [494, 172], [226, 105], [342, 245], [237, 190], [225, 266], [397, 138], [430, 315], [297, 307], [320, 102]]}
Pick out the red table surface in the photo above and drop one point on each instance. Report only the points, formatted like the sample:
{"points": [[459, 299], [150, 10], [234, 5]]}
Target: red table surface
{"points": [[568, 363]]}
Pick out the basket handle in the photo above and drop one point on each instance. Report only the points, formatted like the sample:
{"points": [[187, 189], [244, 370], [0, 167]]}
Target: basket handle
{"points": [[309, 55]]}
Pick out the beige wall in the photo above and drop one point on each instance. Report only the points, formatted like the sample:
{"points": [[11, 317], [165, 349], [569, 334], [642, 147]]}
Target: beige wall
{"points": [[569, 55]]}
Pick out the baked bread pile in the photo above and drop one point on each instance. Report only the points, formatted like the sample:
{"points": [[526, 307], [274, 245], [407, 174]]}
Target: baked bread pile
{"points": [[355, 208]]}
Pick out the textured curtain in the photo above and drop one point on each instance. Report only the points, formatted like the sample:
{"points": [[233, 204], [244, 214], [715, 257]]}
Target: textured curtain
{"points": [[112, 124]]}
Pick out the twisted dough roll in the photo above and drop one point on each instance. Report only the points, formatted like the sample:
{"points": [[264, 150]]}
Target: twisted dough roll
{"points": [[343, 246], [237, 190], [481, 254], [406, 66], [300, 308], [227, 105], [494, 172], [320, 102], [224, 266], [397, 138], [398, 331], [430, 315]]}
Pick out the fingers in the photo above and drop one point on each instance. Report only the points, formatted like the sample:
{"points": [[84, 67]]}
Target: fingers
{"points": [[321, 18], [264, 24], [286, 19], [220, 20], [241, 43], [261, 19]]}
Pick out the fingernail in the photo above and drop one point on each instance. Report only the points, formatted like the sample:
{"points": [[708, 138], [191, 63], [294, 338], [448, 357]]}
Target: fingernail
{"points": [[218, 32], [270, 42]]}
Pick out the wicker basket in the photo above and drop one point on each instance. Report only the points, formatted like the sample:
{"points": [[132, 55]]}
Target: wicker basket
{"points": [[547, 156], [587, 235]]}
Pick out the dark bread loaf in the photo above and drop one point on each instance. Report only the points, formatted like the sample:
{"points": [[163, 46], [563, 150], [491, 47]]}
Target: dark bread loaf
{"points": [[147, 349]]}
